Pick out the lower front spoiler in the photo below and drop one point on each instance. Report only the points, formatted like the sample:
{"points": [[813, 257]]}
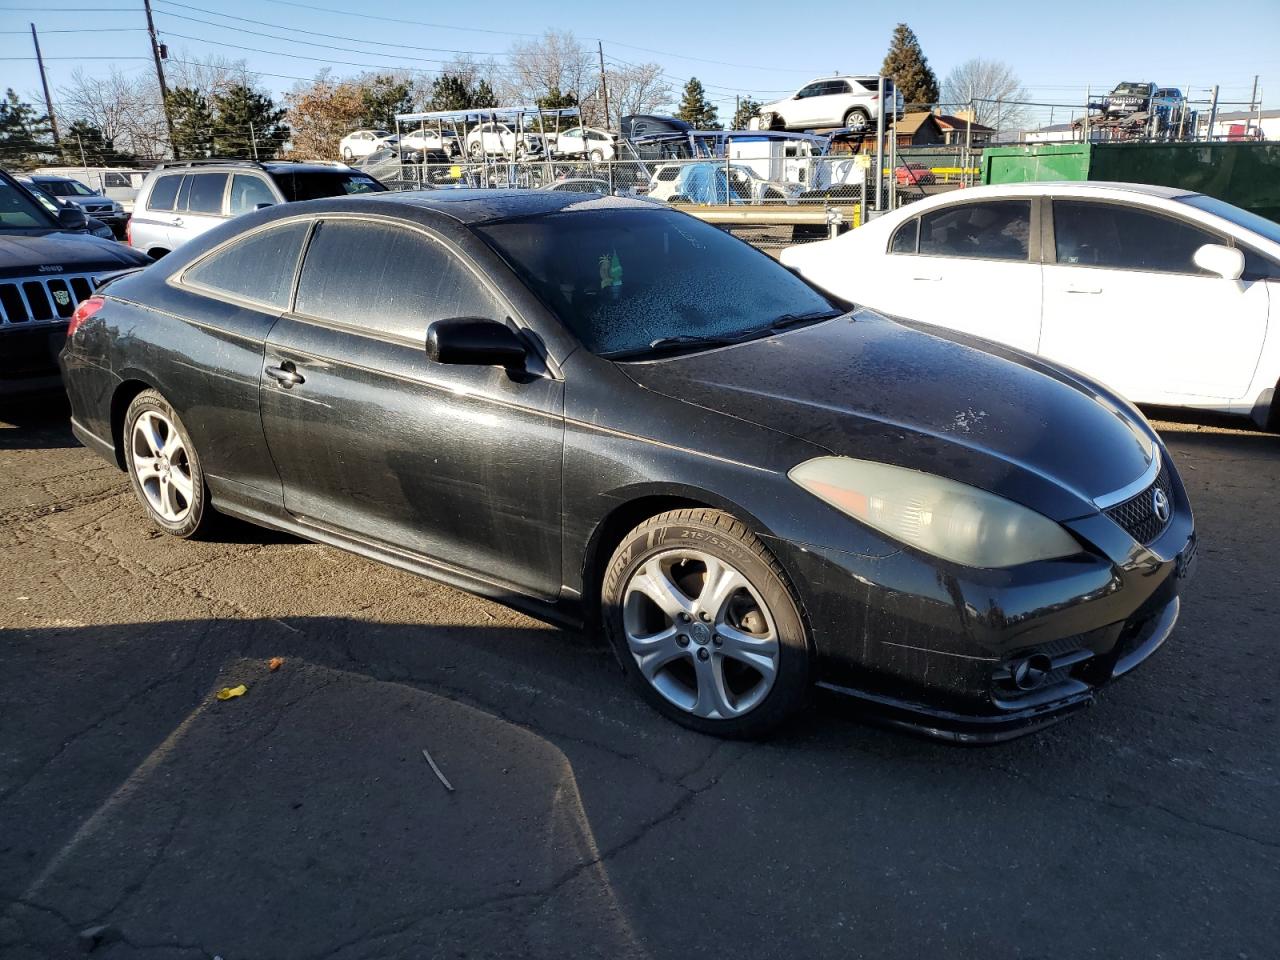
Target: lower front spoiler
{"points": [[982, 729]]}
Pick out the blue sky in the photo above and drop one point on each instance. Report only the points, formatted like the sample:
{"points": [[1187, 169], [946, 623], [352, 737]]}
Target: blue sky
{"points": [[761, 49]]}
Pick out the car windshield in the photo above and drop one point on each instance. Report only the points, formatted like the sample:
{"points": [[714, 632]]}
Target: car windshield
{"points": [[20, 211], [67, 188], [316, 184], [1268, 229], [1131, 90], [636, 282]]}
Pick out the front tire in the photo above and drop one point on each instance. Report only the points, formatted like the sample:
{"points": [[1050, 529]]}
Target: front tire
{"points": [[705, 624], [164, 468]]}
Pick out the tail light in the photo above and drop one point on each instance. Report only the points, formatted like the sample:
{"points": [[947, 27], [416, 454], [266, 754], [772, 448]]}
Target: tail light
{"points": [[83, 312], [128, 231]]}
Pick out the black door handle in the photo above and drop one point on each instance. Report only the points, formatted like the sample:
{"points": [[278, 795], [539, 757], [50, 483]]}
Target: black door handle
{"points": [[285, 375]]}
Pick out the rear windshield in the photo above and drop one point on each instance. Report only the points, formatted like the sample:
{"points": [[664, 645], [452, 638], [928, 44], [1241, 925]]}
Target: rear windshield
{"points": [[315, 184], [622, 278]]}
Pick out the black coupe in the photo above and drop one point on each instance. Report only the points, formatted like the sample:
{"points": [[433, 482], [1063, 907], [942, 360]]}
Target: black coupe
{"points": [[612, 414]]}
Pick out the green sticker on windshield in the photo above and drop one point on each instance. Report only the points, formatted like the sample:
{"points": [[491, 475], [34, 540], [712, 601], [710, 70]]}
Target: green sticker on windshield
{"points": [[610, 271]]}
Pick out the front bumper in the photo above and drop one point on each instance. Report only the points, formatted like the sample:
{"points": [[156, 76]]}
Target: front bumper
{"points": [[942, 649], [29, 356]]}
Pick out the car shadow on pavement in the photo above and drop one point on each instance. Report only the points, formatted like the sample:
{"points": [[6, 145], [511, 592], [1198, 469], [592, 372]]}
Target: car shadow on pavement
{"points": [[36, 421], [557, 815]]}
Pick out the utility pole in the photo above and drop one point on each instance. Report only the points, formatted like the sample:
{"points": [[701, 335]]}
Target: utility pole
{"points": [[1253, 97], [48, 100], [1213, 114], [164, 90], [604, 86]]}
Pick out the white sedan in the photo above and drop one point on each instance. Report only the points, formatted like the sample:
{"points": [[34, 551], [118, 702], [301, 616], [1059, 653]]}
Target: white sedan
{"points": [[359, 144], [585, 142], [1168, 296]]}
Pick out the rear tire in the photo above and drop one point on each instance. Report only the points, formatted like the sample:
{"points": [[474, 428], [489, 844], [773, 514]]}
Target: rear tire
{"points": [[705, 625], [857, 120], [164, 468]]}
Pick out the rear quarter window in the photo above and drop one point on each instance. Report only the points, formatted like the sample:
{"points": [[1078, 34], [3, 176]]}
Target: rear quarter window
{"points": [[258, 267], [164, 192]]}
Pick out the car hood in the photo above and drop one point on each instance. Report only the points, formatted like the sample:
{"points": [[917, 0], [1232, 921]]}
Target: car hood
{"points": [[49, 254], [931, 400]]}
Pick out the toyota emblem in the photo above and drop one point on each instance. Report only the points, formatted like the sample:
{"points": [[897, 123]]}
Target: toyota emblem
{"points": [[1160, 504]]}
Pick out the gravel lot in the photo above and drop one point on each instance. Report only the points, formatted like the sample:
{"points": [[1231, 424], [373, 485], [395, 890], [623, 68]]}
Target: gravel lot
{"points": [[302, 820]]}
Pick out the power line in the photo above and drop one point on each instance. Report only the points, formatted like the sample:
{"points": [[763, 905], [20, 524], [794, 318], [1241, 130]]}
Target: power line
{"points": [[87, 29], [311, 33], [307, 43], [298, 56]]}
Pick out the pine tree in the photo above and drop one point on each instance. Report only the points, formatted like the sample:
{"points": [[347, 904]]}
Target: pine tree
{"points": [[747, 109], [24, 133], [192, 123], [247, 123], [696, 109], [85, 143], [907, 66], [383, 97]]}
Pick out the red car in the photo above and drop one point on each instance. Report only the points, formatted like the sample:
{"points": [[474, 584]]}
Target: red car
{"points": [[913, 173]]}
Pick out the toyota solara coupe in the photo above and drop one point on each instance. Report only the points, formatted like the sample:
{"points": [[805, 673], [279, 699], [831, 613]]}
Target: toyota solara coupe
{"points": [[615, 416]]}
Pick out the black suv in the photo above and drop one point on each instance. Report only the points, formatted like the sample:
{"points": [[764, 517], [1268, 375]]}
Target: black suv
{"points": [[48, 265]]}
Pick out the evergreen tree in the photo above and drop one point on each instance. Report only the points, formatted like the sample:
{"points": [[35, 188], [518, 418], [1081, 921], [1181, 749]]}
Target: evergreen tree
{"points": [[382, 97], [747, 109], [244, 118], [192, 124], [907, 66], [555, 100], [449, 91], [696, 109], [24, 133], [85, 143]]}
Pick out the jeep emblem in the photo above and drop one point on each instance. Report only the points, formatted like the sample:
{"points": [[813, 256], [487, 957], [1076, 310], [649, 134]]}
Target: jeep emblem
{"points": [[50, 268]]}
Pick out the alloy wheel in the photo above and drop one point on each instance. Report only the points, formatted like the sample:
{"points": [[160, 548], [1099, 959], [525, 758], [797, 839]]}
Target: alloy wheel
{"points": [[163, 466], [701, 634]]}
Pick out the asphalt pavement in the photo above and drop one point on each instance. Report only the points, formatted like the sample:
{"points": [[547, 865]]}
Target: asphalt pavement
{"points": [[140, 816]]}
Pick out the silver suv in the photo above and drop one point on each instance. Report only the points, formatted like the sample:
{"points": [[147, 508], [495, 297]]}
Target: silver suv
{"points": [[183, 199]]}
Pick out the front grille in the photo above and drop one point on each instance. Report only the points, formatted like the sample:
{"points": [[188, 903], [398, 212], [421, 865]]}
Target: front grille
{"points": [[98, 209], [36, 300], [1137, 515]]}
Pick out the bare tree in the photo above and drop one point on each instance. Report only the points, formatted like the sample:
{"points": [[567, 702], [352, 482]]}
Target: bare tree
{"points": [[555, 63], [995, 90], [639, 88], [210, 77], [125, 108]]}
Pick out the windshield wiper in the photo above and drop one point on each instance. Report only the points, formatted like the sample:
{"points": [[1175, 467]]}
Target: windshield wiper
{"points": [[795, 319]]}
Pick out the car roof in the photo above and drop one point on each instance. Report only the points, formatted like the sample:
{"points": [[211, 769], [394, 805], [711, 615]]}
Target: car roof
{"points": [[480, 206]]}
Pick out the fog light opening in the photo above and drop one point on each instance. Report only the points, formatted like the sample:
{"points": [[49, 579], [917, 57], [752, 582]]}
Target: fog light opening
{"points": [[1030, 673]]}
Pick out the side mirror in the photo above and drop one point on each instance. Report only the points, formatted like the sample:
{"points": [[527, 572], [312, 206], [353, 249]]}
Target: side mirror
{"points": [[72, 217], [475, 341], [1226, 262]]}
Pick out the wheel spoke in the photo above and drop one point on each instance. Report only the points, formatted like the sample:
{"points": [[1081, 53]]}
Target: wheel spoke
{"points": [[721, 583], [146, 427], [172, 443], [654, 652], [759, 653], [145, 468], [182, 484], [654, 583], [713, 696]]}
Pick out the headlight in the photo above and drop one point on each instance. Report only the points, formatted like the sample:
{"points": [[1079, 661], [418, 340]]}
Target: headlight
{"points": [[947, 519]]}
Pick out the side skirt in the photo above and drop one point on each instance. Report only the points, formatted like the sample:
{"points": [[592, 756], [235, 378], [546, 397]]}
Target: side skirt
{"points": [[560, 614]]}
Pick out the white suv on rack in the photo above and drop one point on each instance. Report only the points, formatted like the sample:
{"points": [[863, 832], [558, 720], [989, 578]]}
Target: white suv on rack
{"points": [[851, 102]]}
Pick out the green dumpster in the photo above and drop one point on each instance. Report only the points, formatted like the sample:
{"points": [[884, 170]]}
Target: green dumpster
{"points": [[1246, 174]]}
